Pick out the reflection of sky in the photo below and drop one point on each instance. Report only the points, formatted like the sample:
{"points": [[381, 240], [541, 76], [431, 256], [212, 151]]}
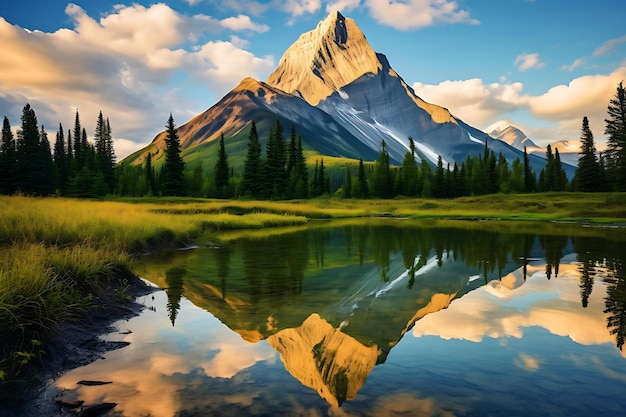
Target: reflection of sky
{"points": [[144, 374], [504, 308], [487, 353]]}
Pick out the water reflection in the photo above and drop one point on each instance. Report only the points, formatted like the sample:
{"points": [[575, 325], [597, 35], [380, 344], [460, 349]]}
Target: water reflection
{"points": [[326, 304]]}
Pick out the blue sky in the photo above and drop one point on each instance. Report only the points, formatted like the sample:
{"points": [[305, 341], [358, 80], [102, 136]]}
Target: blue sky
{"points": [[540, 65]]}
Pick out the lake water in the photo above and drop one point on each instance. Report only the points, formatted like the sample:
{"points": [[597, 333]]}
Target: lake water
{"points": [[380, 317]]}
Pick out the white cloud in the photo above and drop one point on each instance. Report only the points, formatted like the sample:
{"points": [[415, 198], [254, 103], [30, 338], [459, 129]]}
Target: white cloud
{"points": [[528, 61], [417, 14], [607, 46], [481, 104], [297, 8], [342, 5], [505, 308], [472, 100], [577, 63], [223, 64], [123, 64], [243, 22]]}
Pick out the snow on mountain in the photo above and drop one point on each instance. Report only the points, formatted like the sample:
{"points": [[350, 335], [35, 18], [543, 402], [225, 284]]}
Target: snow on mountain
{"points": [[514, 137], [345, 99]]}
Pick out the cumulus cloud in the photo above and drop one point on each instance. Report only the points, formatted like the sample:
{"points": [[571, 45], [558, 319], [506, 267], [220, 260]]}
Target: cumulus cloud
{"points": [[297, 8], [342, 5], [243, 22], [482, 104], [506, 308], [417, 14], [473, 100], [528, 61], [122, 64]]}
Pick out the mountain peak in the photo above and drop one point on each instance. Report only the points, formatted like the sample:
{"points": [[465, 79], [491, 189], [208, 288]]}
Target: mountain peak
{"points": [[325, 59]]}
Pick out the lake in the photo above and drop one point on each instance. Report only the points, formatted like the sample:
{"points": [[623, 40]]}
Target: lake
{"points": [[376, 317]]}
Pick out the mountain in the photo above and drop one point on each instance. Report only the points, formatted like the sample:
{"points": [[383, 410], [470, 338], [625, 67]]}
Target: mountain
{"points": [[343, 98], [568, 149], [514, 137]]}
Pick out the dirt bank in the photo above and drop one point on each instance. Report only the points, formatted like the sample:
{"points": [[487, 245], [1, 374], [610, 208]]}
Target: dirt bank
{"points": [[70, 346]]}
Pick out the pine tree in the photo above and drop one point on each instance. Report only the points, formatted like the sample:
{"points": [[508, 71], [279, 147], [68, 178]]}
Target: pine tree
{"points": [[409, 171], [529, 177], [150, 180], [252, 182], [439, 185], [362, 181], [7, 159], [275, 173], [104, 151], [174, 166], [60, 160], [31, 167], [46, 165], [299, 175], [383, 185], [587, 175], [347, 189], [222, 170], [79, 157], [293, 151], [616, 131]]}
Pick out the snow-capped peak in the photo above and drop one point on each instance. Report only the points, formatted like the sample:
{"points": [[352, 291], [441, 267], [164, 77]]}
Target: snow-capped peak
{"points": [[325, 59]]}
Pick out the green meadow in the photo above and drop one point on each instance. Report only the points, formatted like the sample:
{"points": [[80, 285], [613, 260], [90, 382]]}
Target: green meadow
{"points": [[61, 255]]}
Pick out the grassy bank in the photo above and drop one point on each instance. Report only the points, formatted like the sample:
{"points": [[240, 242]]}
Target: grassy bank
{"points": [[59, 254]]}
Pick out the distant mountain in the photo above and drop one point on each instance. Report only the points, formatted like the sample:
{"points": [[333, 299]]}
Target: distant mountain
{"points": [[514, 137], [568, 149], [344, 99]]}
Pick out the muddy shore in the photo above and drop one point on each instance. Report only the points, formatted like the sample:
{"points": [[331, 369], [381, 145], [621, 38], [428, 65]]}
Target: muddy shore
{"points": [[71, 346]]}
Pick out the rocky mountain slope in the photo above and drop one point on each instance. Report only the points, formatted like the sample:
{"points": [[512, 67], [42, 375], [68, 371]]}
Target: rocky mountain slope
{"points": [[344, 99]]}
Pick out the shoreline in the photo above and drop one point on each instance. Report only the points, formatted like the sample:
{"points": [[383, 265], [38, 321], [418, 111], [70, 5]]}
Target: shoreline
{"points": [[72, 345]]}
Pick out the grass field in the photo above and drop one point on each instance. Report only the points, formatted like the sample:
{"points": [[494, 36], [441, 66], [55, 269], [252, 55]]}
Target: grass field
{"points": [[57, 253]]}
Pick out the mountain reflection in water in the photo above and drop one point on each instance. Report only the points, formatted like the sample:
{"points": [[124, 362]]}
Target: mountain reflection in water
{"points": [[329, 302]]}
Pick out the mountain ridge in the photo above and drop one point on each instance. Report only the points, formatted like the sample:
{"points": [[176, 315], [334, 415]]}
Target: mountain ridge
{"points": [[344, 99]]}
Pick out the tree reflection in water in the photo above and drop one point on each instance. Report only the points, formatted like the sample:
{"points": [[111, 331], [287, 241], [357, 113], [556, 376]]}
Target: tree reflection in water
{"points": [[315, 294]]}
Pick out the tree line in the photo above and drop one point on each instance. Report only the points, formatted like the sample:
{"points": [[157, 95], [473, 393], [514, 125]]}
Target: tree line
{"points": [[72, 167], [78, 167]]}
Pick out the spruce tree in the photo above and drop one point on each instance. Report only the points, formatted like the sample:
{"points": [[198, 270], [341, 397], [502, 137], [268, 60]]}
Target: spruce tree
{"points": [[173, 168], [409, 171], [275, 173], [252, 182], [104, 151], [439, 185], [299, 175], [29, 171], [46, 165], [293, 151], [79, 152], [150, 180], [383, 185], [529, 176], [7, 159], [222, 170], [616, 131], [587, 175], [60, 160], [347, 189], [363, 187]]}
